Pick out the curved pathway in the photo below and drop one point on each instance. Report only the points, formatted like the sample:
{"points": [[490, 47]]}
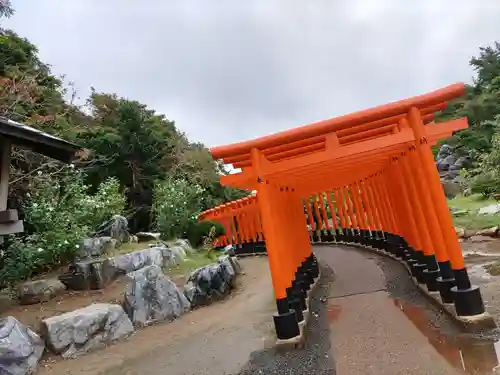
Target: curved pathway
{"points": [[369, 332], [369, 318]]}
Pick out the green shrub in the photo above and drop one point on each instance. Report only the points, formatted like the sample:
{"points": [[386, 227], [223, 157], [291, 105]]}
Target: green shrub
{"points": [[198, 231], [58, 214], [176, 204], [486, 184]]}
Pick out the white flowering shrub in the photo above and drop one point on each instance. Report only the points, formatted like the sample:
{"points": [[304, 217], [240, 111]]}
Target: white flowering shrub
{"points": [[176, 204], [58, 214]]}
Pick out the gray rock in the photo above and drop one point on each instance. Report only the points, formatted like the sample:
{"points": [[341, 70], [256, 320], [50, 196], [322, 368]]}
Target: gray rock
{"points": [[148, 236], [90, 274], [116, 227], [489, 210], [229, 269], [152, 297], [96, 247], [444, 151], [211, 282], [236, 265], [229, 250], [20, 348], [183, 244], [450, 160], [442, 166], [136, 260], [174, 256], [451, 188], [36, 291], [78, 332]]}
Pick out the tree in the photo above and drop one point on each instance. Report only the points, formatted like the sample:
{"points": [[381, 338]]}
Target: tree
{"points": [[125, 138], [6, 9]]}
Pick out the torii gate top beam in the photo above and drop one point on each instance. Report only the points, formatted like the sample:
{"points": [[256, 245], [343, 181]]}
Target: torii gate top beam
{"points": [[364, 140], [400, 108]]}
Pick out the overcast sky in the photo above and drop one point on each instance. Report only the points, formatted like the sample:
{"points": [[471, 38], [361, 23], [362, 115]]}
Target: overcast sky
{"points": [[228, 71]]}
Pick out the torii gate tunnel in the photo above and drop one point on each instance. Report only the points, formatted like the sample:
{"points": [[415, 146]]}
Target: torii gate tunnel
{"points": [[367, 178]]}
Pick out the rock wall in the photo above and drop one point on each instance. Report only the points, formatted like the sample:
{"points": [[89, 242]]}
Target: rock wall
{"points": [[449, 165]]}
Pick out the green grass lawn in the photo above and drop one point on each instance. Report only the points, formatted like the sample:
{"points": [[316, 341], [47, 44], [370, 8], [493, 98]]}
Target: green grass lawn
{"points": [[473, 202], [472, 220]]}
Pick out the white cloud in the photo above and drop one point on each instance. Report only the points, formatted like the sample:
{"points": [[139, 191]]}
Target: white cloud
{"points": [[227, 71]]}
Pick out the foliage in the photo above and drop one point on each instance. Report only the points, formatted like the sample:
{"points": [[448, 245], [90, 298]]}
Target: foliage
{"points": [[481, 105], [6, 9], [199, 232], [58, 215], [177, 203], [123, 139], [486, 184]]}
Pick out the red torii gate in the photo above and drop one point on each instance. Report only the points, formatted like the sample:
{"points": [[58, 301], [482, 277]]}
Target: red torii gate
{"points": [[240, 219], [367, 177]]}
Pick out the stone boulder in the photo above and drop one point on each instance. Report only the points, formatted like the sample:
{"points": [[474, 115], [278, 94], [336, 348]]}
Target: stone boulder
{"points": [[90, 274], [75, 333], [463, 163], [95, 247], [183, 243], [489, 232], [465, 233], [449, 163], [148, 236], [36, 291], [126, 263], [212, 282], [451, 188], [20, 348], [181, 246], [489, 210], [152, 297], [116, 228], [450, 160], [174, 256], [229, 250], [444, 151]]}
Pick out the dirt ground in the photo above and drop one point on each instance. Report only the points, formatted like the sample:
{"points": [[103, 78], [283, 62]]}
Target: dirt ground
{"points": [[216, 339]]}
